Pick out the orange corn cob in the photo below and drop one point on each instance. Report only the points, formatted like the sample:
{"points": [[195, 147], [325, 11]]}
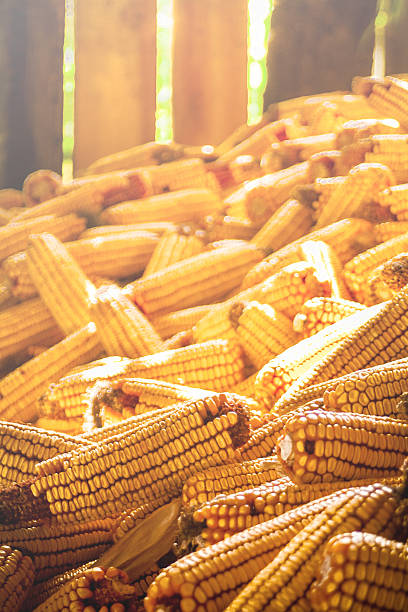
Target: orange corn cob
{"points": [[389, 229], [289, 222], [361, 571], [320, 312], [172, 247], [123, 330], [181, 174], [179, 207], [197, 280], [363, 182]]}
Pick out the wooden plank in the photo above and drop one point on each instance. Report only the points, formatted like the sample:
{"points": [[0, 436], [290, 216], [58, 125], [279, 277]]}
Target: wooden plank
{"points": [[115, 77], [210, 69], [31, 59]]}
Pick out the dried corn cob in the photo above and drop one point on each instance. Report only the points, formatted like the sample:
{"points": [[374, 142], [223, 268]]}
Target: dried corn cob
{"points": [[263, 196], [320, 312], [23, 446], [179, 207], [180, 320], [217, 323], [318, 194], [262, 331], [59, 280], [324, 165], [389, 229], [178, 340], [14, 236], [156, 227], [363, 183], [231, 513], [361, 569], [181, 174], [285, 582], [354, 130], [365, 263], [123, 330], [26, 324], [17, 577], [195, 436], [323, 257], [172, 247], [391, 150], [217, 573], [246, 387], [387, 279], [289, 222], [287, 152], [40, 185], [395, 198], [388, 96], [11, 198], [346, 237], [324, 446], [224, 227], [277, 376], [197, 280], [20, 389], [55, 548]]}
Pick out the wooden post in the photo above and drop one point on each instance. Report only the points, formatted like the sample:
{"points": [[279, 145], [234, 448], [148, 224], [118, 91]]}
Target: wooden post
{"points": [[210, 69], [115, 77], [31, 60]]}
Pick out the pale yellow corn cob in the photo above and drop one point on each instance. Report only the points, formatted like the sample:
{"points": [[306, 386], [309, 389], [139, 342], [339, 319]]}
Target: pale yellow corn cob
{"points": [[20, 389], [204, 277], [395, 198], [320, 312], [254, 144], [389, 229], [391, 150], [328, 267], [217, 323], [179, 207], [26, 324], [223, 227], [262, 331], [181, 174], [319, 192], [363, 183], [361, 266], [290, 221], [39, 186], [180, 320], [294, 150], [123, 330], [60, 281], [14, 236], [174, 246], [363, 128], [277, 376], [246, 387], [346, 237], [158, 227], [178, 340]]}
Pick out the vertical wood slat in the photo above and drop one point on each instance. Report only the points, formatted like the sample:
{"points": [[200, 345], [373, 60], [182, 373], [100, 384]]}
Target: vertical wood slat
{"points": [[209, 69], [115, 77], [31, 61]]}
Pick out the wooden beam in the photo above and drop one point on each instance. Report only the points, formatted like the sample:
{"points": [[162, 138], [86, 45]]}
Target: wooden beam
{"points": [[115, 77], [31, 60], [210, 69]]}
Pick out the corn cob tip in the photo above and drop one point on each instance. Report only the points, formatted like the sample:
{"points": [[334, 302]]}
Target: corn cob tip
{"points": [[235, 312], [19, 505]]}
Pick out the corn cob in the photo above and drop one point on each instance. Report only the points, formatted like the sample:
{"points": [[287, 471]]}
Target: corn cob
{"points": [[39, 186], [246, 387], [237, 171], [289, 222], [17, 577], [214, 575], [346, 237], [363, 182], [11, 198], [231, 513], [324, 446], [73, 427], [323, 165], [277, 376], [55, 548], [262, 331], [387, 279], [20, 388], [23, 446], [122, 328], [320, 312], [263, 196], [365, 263], [60, 282], [26, 324], [172, 247], [180, 320], [389, 229], [77, 483], [111, 256], [197, 280], [14, 236], [354, 130], [323, 257], [213, 365], [359, 571], [285, 582], [318, 194], [158, 227], [395, 199], [179, 207], [181, 174], [388, 95], [222, 227], [292, 151], [178, 340]]}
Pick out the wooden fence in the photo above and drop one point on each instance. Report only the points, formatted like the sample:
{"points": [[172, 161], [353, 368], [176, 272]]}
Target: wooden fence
{"points": [[115, 82]]}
